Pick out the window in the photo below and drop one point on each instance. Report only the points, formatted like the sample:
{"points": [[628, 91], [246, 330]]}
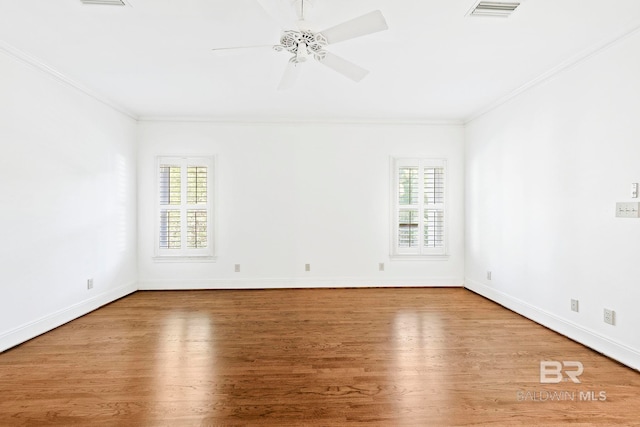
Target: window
{"points": [[184, 215], [419, 221]]}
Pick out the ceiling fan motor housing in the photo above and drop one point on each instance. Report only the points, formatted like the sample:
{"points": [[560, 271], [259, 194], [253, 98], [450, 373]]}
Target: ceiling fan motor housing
{"points": [[314, 42]]}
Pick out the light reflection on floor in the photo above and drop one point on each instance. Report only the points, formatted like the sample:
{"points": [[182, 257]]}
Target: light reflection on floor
{"points": [[420, 361], [185, 364]]}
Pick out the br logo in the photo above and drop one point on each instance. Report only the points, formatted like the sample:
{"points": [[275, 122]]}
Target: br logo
{"points": [[551, 371]]}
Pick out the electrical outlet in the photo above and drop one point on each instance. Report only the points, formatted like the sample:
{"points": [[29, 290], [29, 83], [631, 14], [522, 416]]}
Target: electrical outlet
{"points": [[574, 305], [89, 284], [381, 266], [488, 275], [609, 316], [307, 267], [237, 268]]}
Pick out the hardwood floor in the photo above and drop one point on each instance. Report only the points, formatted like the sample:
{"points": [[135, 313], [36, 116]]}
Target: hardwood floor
{"points": [[317, 357]]}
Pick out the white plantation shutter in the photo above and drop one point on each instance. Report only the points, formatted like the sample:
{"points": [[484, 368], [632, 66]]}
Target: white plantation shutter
{"points": [[408, 228], [433, 228], [197, 225], [196, 229], [408, 195], [184, 207], [170, 200], [419, 207], [433, 207], [170, 229]]}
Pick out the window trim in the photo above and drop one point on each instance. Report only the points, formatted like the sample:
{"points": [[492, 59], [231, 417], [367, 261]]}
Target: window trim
{"points": [[185, 254], [424, 254]]}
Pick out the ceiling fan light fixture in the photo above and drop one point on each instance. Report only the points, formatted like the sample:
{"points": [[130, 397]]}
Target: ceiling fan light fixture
{"points": [[302, 53], [304, 43]]}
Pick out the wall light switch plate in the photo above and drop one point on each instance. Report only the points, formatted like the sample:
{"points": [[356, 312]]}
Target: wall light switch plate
{"points": [[634, 190], [628, 209]]}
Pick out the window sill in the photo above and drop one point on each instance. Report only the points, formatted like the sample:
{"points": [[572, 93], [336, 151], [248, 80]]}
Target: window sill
{"points": [[435, 257], [183, 259]]}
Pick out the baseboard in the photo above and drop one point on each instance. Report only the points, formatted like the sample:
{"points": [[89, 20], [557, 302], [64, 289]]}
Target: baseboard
{"points": [[44, 324], [615, 350], [316, 282]]}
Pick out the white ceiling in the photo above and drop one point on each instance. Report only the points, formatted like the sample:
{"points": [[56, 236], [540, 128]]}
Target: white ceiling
{"points": [[154, 59]]}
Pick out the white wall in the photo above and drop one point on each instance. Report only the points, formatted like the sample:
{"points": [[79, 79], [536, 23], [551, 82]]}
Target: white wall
{"points": [[291, 194], [67, 174], [543, 174]]}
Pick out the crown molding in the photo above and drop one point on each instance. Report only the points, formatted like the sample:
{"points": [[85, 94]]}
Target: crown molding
{"points": [[38, 65], [558, 69]]}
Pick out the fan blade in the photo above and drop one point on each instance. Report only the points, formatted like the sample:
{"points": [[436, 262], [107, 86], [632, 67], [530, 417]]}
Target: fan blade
{"points": [[290, 76], [344, 67], [371, 22], [223, 49]]}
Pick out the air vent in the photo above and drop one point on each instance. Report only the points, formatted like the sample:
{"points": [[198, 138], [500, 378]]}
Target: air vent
{"points": [[109, 2], [494, 8]]}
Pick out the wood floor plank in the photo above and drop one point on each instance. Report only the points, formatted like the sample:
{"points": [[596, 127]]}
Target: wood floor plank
{"points": [[315, 357]]}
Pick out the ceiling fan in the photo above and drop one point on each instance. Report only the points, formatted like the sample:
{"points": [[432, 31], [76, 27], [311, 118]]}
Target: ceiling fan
{"points": [[304, 43]]}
